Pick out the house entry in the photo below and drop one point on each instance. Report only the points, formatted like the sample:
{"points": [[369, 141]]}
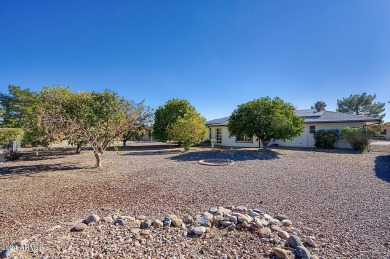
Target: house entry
{"points": [[218, 135]]}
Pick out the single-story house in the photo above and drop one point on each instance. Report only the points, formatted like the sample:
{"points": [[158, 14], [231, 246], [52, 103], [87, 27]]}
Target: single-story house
{"points": [[313, 120], [385, 133]]}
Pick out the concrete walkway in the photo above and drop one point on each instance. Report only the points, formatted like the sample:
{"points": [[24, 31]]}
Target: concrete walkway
{"points": [[380, 142]]}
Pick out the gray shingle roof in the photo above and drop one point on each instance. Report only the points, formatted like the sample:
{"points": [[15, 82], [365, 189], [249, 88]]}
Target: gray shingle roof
{"points": [[222, 121], [308, 113], [312, 116], [329, 116]]}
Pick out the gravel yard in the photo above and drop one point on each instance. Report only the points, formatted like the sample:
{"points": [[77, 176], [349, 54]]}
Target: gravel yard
{"points": [[340, 197]]}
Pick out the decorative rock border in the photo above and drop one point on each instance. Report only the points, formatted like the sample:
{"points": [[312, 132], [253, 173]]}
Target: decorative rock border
{"points": [[216, 162], [277, 230]]}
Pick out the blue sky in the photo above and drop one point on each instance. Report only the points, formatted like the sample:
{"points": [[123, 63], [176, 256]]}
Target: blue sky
{"points": [[216, 54]]}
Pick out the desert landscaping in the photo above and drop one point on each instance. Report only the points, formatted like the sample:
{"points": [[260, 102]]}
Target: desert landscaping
{"points": [[148, 198]]}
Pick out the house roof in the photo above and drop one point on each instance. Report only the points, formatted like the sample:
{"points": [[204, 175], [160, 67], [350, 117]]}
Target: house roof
{"points": [[312, 116], [221, 121]]}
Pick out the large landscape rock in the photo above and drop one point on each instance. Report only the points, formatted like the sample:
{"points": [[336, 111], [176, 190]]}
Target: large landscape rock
{"points": [[280, 252], [6, 253], [294, 241], [302, 252], [264, 232], [92, 218], [157, 223], [79, 227], [309, 241], [134, 224], [199, 230]]}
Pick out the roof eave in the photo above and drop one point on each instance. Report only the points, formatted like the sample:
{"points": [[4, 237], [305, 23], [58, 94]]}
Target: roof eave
{"points": [[215, 124]]}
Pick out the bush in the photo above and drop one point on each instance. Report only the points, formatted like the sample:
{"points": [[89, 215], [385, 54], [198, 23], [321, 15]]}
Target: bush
{"points": [[10, 134], [8, 154], [358, 138], [326, 138]]}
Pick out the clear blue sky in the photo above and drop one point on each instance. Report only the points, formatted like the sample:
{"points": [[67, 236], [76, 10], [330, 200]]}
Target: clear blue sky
{"points": [[216, 54]]}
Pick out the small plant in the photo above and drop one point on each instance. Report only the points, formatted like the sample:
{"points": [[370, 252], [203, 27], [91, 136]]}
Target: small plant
{"points": [[358, 138], [326, 138]]}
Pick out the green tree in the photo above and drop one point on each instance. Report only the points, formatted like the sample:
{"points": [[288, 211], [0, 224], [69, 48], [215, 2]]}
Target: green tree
{"points": [[142, 125], [266, 119], [57, 100], [96, 118], [19, 109], [189, 129], [167, 115], [10, 134], [362, 104], [16, 107], [319, 106]]}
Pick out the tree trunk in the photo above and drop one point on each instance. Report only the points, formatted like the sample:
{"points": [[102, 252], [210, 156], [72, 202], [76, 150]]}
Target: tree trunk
{"points": [[186, 146], [124, 142], [264, 143], [98, 159], [78, 147]]}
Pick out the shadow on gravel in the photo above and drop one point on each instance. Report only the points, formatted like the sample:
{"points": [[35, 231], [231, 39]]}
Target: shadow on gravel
{"points": [[321, 150], [382, 167], [143, 148], [147, 150], [22, 170], [235, 155], [46, 154], [153, 153]]}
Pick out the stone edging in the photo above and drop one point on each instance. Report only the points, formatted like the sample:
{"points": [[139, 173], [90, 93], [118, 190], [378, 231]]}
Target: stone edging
{"points": [[216, 162]]}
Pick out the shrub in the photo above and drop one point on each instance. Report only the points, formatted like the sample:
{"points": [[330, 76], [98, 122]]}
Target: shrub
{"points": [[326, 138], [10, 134], [358, 138], [207, 141], [8, 154]]}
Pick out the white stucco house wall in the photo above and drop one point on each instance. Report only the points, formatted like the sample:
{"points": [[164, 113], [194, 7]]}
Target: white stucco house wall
{"points": [[385, 134], [313, 120]]}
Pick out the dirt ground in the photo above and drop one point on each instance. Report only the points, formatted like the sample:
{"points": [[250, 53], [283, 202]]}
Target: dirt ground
{"points": [[342, 196]]}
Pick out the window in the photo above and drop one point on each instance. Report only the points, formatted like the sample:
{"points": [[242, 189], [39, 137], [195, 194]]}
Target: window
{"points": [[384, 132], [218, 135], [244, 139], [312, 129]]}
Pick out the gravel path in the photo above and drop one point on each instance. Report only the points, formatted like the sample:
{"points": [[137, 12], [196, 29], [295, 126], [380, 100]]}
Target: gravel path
{"points": [[340, 197]]}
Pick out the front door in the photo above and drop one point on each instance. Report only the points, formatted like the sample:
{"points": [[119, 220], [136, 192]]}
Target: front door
{"points": [[218, 135], [310, 135]]}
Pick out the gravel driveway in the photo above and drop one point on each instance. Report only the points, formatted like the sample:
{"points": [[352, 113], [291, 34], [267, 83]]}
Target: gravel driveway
{"points": [[340, 197]]}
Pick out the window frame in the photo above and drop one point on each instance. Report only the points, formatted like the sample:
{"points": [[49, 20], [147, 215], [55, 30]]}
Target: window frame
{"points": [[312, 129], [250, 139]]}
